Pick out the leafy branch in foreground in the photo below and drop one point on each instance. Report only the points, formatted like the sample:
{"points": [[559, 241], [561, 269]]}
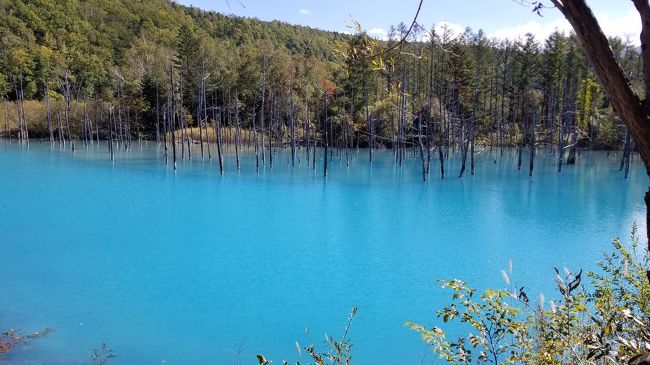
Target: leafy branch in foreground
{"points": [[339, 351], [604, 323]]}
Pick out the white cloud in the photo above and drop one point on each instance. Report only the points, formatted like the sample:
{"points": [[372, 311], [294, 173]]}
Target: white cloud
{"points": [[628, 25], [379, 33], [454, 29], [540, 31], [625, 26], [304, 12]]}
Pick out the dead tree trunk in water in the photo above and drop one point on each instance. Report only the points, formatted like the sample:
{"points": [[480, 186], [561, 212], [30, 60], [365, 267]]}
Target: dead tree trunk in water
{"points": [[627, 148], [6, 118], [560, 132], [172, 114], [199, 114], [472, 137], [237, 129], [441, 124], [393, 143], [205, 122], [60, 129], [23, 135], [270, 129], [532, 144], [370, 127], [172, 124], [262, 109], [292, 117], [626, 144], [441, 157], [571, 158], [90, 129], [22, 111], [48, 112], [101, 116], [84, 125], [181, 118], [401, 128], [66, 96], [165, 135], [345, 138], [307, 146], [464, 147], [522, 138], [421, 146], [119, 129], [217, 131], [313, 156], [157, 118], [628, 158], [428, 140], [255, 144], [325, 131], [110, 130]]}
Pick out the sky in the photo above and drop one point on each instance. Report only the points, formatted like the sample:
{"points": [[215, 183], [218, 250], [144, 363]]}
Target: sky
{"points": [[497, 18]]}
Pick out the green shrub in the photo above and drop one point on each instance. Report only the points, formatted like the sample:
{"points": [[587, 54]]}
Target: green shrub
{"points": [[605, 322]]}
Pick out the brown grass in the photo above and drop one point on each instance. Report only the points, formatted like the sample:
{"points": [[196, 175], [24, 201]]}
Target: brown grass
{"points": [[228, 135]]}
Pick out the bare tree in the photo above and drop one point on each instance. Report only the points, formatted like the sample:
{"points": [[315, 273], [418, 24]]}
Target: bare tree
{"points": [[48, 112]]}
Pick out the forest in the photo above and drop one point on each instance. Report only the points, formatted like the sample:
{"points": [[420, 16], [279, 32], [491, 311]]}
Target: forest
{"points": [[78, 72]]}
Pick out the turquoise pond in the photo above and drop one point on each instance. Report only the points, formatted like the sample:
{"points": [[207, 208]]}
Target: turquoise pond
{"points": [[189, 267]]}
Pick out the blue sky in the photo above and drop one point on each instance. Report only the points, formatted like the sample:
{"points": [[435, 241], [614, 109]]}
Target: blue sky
{"points": [[498, 18]]}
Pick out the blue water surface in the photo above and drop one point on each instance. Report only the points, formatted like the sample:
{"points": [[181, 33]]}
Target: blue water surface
{"points": [[189, 267]]}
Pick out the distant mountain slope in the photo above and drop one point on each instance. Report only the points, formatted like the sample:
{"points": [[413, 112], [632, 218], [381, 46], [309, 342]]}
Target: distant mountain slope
{"points": [[97, 33], [297, 39]]}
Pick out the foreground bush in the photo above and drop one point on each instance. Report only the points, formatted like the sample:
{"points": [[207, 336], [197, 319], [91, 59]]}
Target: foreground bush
{"points": [[604, 322]]}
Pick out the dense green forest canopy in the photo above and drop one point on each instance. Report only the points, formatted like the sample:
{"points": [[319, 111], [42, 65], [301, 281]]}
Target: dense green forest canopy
{"points": [[90, 38], [438, 89]]}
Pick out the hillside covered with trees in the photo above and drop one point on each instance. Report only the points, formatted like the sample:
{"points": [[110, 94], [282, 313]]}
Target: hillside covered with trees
{"points": [[121, 70]]}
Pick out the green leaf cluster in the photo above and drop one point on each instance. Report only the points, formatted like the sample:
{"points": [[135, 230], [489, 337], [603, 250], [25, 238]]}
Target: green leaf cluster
{"points": [[605, 322]]}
